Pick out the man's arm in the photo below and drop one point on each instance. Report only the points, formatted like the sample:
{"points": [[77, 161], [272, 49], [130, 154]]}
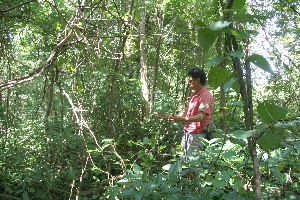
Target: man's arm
{"points": [[182, 118]]}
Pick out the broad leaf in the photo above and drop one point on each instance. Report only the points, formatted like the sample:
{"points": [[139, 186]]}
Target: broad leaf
{"points": [[237, 54], [270, 112], [217, 76], [229, 84], [215, 61], [206, 37], [240, 134], [260, 62], [136, 169], [269, 140]]}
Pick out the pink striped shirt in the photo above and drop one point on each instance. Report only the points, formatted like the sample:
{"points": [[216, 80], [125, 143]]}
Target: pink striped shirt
{"points": [[199, 102]]}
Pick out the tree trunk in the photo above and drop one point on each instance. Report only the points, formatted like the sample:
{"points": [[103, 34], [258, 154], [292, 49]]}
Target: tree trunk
{"points": [[252, 140], [143, 58], [156, 67], [246, 93], [222, 110], [117, 62]]}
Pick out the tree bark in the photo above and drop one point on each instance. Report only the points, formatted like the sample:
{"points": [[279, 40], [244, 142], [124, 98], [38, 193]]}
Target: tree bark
{"points": [[143, 58], [246, 94], [156, 67], [115, 71]]}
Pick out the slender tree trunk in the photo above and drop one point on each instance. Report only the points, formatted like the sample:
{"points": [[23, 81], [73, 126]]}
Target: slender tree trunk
{"points": [[231, 44], [156, 67], [222, 110], [51, 93], [143, 58], [252, 140], [246, 93], [115, 71]]}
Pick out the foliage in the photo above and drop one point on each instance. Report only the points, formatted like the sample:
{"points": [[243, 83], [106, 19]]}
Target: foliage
{"points": [[73, 123]]}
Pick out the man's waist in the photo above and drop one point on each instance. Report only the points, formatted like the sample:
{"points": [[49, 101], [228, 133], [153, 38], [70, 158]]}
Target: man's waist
{"points": [[203, 131]]}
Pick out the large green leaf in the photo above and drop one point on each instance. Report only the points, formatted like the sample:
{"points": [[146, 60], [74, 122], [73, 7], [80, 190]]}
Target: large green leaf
{"points": [[260, 62], [217, 76], [269, 140], [229, 84], [240, 134], [238, 54], [215, 61], [206, 37], [270, 112]]}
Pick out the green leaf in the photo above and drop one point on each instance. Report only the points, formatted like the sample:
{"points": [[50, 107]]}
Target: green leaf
{"points": [[123, 182], [270, 112], [260, 62], [237, 54], [166, 167], [217, 76], [229, 84], [173, 190], [229, 154], [129, 192], [238, 4], [269, 139], [219, 25], [25, 196], [240, 134], [218, 184], [146, 140], [206, 37], [136, 169], [215, 61]]}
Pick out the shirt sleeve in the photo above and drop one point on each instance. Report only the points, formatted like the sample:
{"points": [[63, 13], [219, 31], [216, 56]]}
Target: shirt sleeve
{"points": [[205, 103]]}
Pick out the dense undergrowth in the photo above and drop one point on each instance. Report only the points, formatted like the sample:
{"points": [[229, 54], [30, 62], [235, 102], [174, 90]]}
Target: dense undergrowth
{"points": [[55, 163]]}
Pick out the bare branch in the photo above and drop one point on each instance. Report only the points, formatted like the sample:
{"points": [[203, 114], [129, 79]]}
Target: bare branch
{"points": [[39, 70]]}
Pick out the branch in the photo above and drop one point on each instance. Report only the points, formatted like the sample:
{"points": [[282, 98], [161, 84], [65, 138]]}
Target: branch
{"points": [[14, 7], [35, 73]]}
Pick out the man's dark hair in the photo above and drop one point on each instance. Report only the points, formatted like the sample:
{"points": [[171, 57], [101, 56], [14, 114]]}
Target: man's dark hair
{"points": [[198, 73]]}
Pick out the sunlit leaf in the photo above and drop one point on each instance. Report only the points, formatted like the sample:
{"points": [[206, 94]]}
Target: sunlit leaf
{"points": [[219, 25], [167, 167], [260, 62], [123, 181], [136, 169], [229, 84]]}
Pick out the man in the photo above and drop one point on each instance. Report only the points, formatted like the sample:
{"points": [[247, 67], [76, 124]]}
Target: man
{"points": [[198, 112]]}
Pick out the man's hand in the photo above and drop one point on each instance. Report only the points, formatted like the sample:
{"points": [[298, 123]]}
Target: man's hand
{"points": [[165, 116]]}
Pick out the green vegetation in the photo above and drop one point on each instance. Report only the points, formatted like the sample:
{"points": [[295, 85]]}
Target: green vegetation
{"points": [[82, 83]]}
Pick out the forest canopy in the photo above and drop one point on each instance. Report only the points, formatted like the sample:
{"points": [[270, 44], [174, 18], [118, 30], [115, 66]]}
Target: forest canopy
{"points": [[82, 84]]}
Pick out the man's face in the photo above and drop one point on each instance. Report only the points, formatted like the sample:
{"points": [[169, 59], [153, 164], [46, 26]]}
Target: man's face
{"points": [[193, 83]]}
